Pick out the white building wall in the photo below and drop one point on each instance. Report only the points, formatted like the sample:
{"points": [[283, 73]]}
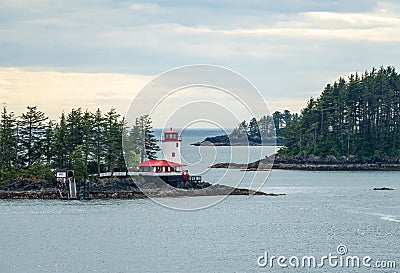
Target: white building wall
{"points": [[168, 148]]}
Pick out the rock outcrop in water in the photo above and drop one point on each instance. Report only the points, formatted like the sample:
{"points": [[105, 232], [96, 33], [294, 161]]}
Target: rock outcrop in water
{"points": [[383, 189], [226, 140]]}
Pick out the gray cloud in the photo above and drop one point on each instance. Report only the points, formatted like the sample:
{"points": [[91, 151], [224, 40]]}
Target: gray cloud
{"points": [[284, 47]]}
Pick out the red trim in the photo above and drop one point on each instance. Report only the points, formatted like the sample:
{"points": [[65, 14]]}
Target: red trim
{"points": [[171, 132], [160, 163], [172, 135]]}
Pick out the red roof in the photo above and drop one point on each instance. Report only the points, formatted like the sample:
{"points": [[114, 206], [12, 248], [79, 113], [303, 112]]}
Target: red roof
{"points": [[159, 163], [171, 131]]}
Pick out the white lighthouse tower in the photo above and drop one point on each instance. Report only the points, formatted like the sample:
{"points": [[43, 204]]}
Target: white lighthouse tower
{"points": [[171, 146]]}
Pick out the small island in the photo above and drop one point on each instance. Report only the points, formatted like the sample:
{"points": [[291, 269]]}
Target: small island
{"points": [[315, 163], [115, 188], [90, 156], [353, 125]]}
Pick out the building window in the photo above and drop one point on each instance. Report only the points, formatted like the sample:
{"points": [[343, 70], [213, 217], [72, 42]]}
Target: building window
{"points": [[173, 154], [177, 145]]}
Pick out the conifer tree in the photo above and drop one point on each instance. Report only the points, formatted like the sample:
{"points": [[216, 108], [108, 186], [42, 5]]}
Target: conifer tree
{"points": [[87, 137], [254, 131], [32, 129], [143, 138], [98, 139], [8, 142], [60, 143], [47, 143], [113, 138], [74, 123]]}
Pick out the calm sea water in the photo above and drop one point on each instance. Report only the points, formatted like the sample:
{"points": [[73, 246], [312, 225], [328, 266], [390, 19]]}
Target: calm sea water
{"points": [[321, 211]]}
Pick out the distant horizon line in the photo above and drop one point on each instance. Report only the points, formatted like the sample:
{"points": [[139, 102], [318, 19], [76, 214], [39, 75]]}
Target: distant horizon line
{"points": [[199, 128]]}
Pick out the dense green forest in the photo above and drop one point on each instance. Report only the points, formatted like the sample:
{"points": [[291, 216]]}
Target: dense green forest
{"points": [[359, 116], [31, 145]]}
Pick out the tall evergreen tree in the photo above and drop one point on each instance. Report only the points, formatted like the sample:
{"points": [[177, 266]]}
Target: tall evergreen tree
{"points": [[8, 142], [60, 144], [48, 143], [144, 139], [122, 134], [78, 164], [74, 122], [87, 137], [98, 139], [254, 131], [32, 130], [113, 133], [133, 144]]}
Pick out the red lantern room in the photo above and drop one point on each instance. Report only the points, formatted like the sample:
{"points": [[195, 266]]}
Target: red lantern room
{"points": [[171, 135]]}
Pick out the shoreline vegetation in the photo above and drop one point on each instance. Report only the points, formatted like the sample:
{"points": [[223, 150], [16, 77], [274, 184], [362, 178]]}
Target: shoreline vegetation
{"points": [[314, 163], [33, 147], [118, 188], [353, 125]]}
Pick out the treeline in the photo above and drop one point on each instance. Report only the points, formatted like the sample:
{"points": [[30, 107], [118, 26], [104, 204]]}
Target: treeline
{"points": [[264, 129], [359, 116], [31, 145]]}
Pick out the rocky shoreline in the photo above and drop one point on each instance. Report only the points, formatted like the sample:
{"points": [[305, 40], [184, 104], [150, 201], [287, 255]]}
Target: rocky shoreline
{"points": [[313, 163], [226, 140], [117, 188]]}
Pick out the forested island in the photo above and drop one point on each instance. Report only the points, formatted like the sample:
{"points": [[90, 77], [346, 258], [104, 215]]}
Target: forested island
{"points": [[353, 125], [32, 147], [353, 121], [268, 130]]}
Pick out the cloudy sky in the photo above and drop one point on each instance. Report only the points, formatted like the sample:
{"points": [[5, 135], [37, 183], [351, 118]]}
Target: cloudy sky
{"points": [[100, 53]]}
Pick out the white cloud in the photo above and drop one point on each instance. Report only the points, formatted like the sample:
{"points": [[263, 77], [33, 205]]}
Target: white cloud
{"points": [[378, 26], [359, 20], [145, 7], [54, 92]]}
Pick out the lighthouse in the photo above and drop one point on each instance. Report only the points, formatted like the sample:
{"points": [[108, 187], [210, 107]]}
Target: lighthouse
{"points": [[171, 146], [169, 168]]}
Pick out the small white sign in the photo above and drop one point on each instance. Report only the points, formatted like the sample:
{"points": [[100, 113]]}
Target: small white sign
{"points": [[61, 174]]}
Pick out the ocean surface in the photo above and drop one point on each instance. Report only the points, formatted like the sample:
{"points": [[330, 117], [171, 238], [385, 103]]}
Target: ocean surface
{"points": [[322, 214]]}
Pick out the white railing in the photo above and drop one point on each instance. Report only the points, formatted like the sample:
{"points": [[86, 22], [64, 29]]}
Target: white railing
{"points": [[123, 174]]}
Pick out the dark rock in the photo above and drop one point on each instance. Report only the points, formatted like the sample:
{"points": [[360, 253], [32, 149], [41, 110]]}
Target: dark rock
{"points": [[383, 189], [314, 163], [121, 188], [226, 140]]}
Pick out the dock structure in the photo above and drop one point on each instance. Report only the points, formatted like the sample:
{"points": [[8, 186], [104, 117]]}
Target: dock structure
{"points": [[66, 180], [71, 188]]}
